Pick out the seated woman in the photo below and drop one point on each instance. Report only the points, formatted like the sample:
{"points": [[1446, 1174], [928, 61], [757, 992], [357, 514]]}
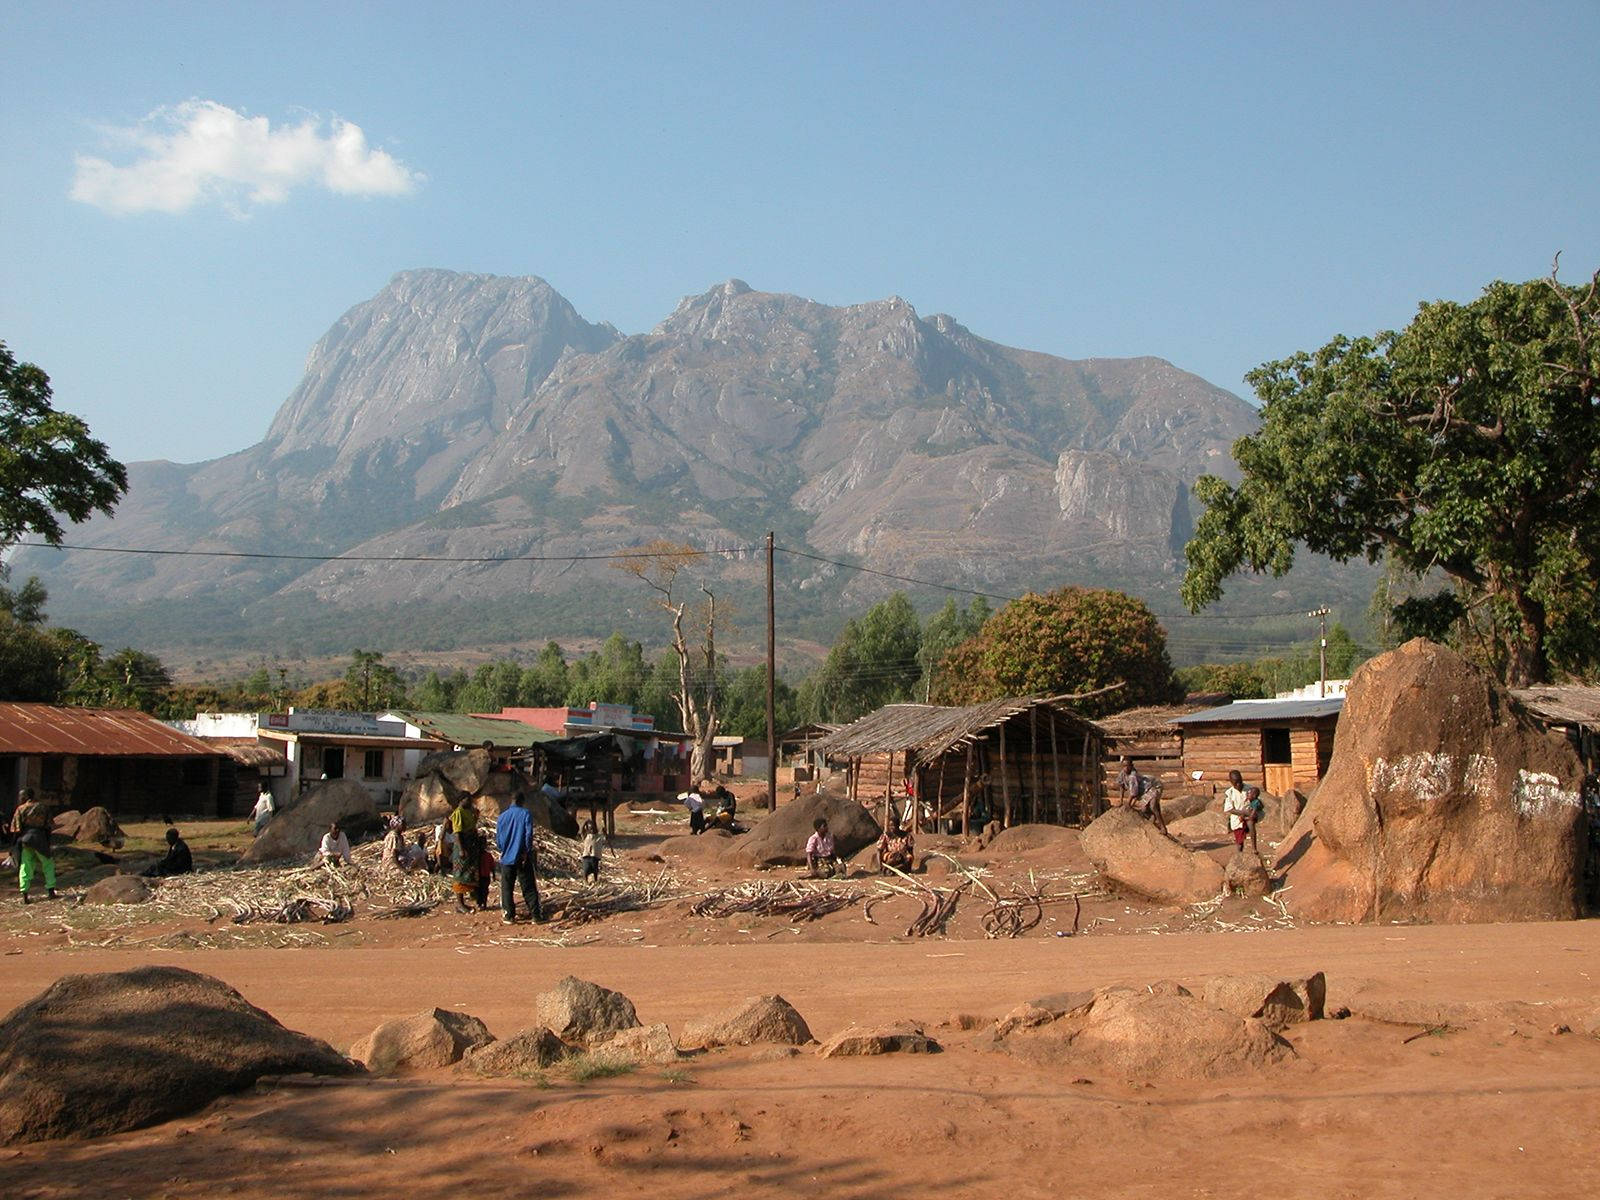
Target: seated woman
{"points": [[895, 848], [822, 856], [335, 848]]}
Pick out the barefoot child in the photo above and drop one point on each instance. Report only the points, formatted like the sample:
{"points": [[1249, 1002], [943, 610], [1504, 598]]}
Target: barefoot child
{"points": [[589, 851]]}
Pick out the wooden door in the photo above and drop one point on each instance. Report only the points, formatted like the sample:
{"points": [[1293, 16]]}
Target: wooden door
{"points": [[1280, 778]]}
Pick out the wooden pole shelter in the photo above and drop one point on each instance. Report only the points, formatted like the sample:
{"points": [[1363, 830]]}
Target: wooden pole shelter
{"points": [[1033, 761], [1055, 771], [888, 791], [938, 799], [966, 796], [855, 777], [1005, 779]]}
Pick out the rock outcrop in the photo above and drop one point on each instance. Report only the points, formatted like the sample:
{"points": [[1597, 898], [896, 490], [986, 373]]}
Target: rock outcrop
{"points": [[98, 826], [424, 1041], [294, 833], [780, 839], [748, 1022], [576, 1010], [98, 1054], [857, 1041], [1443, 802], [1275, 1001], [1132, 854], [522, 1053]]}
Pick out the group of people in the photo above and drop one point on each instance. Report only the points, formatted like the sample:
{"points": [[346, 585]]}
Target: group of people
{"points": [[896, 850], [33, 852], [711, 806], [1241, 803]]}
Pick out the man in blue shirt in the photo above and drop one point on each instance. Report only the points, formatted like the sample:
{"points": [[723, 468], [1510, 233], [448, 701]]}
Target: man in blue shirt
{"points": [[513, 833]]}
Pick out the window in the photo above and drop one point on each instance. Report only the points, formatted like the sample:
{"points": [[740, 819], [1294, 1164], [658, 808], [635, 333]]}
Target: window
{"points": [[373, 766], [1275, 746]]}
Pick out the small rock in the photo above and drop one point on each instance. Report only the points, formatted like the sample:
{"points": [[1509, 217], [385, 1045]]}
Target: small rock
{"points": [[1246, 875], [522, 1053], [1277, 1002], [1558, 1030], [966, 1022], [1023, 1016], [750, 1021], [421, 1042], [888, 1039], [643, 1044], [576, 1010], [118, 889]]}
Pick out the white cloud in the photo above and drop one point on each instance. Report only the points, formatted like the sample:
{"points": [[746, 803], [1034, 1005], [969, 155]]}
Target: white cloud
{"points": [[201, 152]]}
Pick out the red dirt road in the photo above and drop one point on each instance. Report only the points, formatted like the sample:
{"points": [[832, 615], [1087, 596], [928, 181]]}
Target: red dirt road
{"points": [[1499, 1105]]}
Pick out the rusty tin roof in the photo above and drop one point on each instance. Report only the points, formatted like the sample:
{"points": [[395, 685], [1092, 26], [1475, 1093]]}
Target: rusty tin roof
{"points": [[110, 732]]}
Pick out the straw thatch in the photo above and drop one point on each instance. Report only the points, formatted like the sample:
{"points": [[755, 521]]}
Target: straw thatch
{"points": [[930, 730]]}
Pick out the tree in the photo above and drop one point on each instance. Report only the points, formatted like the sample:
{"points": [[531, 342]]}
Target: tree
{"points": [[946, 630], [1071, 640], [1468, 443], [370, 684], [49, 465], [658, 566]]}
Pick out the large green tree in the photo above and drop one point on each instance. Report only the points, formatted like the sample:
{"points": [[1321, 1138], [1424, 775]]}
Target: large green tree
{"points": [[1071, 640], [1467, 443], [873, 662]]}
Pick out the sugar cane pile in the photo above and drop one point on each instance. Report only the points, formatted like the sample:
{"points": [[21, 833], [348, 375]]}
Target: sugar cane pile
{"points": [[797, 900]]}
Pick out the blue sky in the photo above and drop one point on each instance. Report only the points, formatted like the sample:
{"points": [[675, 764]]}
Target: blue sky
{"points": [[1217, 185]]}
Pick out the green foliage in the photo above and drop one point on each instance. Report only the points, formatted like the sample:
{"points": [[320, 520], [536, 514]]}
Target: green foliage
{"points": [[874, 662], [1067, 641], [1240, 680], [744, 704], [370, 684], [1467, 443], [946, 630], [49, 465]]}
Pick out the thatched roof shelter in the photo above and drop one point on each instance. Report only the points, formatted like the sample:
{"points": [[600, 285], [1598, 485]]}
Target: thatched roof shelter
{"points": [[930, 730]]}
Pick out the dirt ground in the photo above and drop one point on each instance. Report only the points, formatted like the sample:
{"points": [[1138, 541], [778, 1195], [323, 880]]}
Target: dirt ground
{"points": [[1492, 1099]]}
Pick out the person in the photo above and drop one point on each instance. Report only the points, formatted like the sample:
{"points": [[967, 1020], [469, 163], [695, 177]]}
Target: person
{"points": [[466, 857], [1142, 794], [264, 809], [513, 833], [439, 861], [721, 801], [394, 844], [589, 851], [821, 853], [415, 857], [895, 848], [1243, 808], [178, 860], [696, 804], [335, 847], [31, 824]]}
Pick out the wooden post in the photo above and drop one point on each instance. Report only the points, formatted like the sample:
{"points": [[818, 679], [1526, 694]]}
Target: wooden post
{"points": [[1055, 770], [966, 796], [855, 777], [1033, 759], [888, 791], [938, 798], [1005, 780]]}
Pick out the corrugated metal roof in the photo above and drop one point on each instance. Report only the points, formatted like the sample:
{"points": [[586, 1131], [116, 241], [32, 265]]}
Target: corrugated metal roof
{"points": [[931, 730], [109, 732], [460, 729], [1562, 704], [1255, 712]]}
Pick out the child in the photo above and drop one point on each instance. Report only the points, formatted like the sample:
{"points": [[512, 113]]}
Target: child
{"points": [[1243, 808], [589, 851]]}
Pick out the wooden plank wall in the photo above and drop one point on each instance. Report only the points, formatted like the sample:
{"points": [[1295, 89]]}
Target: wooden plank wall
{"points": [[1159, 756], [1216, 750]]}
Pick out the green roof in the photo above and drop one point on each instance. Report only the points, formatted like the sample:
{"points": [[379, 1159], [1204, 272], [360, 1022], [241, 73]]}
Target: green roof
{"points": [[461, 730]]}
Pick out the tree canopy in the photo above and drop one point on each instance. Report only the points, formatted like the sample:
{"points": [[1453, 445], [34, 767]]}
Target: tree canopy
{"points": [[1071, 640], [1467, 443]]}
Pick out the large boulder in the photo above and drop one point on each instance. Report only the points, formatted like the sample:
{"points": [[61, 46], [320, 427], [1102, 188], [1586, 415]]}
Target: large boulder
{"points": [[421, 1042], [64, 825], [1021, 839], [522, 1053], [97, 825], [1132, 854], [1161, 1031], [747, 1022], [429, 796], [295, 832], [1443, 802], [98, 1054], [780, 839], [576, 1010], [118, 889]]}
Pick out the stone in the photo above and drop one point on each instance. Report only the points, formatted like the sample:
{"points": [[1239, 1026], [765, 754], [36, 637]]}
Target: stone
{"points": [[98, 826], [520, 1054], [1180, 808], [755, 1019], [857, 1041], [118, 889], [1443, 802], [424, 1041], [1019, 839], [295, 832], [1023, 1016], [780, 839], [1246, 875], [642, 1044], [64, 825], [1130, 853], [1275, 1001], [966, 1022], [576, 1010], [98, 1054]]}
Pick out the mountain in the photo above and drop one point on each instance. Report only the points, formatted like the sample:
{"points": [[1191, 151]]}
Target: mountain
{"points": [[458, 415]]}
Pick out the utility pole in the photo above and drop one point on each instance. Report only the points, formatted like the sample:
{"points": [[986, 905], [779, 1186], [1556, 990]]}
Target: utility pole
{"points": [[772, 674], [1322, 648]]}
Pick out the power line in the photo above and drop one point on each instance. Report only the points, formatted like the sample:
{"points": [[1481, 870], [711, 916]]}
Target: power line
{"points": [[391, 558]]}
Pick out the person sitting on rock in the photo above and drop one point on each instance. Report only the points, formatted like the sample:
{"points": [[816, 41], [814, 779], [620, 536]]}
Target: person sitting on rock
{"points": [[178, 860], [822, 856], [335, 848], [1141, 794], [895, 848], [1243, 808], [263, 811]]}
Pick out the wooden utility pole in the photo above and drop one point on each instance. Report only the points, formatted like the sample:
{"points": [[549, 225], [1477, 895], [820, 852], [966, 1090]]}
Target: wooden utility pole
{"points": [[1322, 648], [772, 675]]}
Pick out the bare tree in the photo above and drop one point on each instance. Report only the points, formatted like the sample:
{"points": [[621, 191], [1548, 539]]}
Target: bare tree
{"points": [[658, 566]]}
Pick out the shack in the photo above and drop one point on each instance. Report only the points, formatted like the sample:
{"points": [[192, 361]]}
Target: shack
{"points": [[1150, 737], [1277, 745], [1569, 709], [1026, 758], [122, 760]]}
